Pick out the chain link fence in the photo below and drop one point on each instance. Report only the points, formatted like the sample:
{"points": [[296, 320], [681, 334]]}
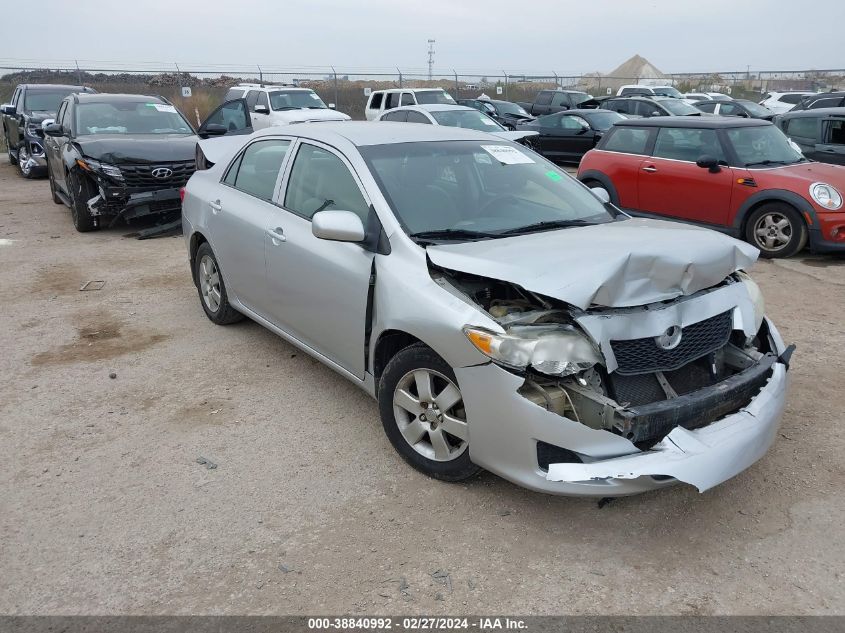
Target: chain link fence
{"points": [[347, 89]]}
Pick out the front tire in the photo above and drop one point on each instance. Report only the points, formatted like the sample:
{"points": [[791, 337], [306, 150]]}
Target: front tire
{"points": [[777, 230], [81, 190], [423, 414], [212, 290]]}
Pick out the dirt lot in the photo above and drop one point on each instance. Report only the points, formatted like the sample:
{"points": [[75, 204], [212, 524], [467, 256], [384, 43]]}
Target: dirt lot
{"points": [[104, 508]]}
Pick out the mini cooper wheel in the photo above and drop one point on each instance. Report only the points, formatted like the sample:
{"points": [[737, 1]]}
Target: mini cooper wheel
{"points": [[777, 230], [212, 290], [423, 414], [23, 161]]}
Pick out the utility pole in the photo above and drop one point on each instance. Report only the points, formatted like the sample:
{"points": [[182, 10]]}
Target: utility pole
{"points": [[430, 58]]}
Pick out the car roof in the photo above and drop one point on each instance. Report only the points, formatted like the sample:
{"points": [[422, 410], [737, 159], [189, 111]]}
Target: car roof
{"points": [[108, 97], [814, 113], [410, 90], [692, 122], [364, 133], [581, 111], [436, 107], [52, 87]]}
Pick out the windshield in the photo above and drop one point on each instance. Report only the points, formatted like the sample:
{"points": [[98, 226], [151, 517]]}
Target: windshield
{"points": [[762, 146], [667, 91], [579, 97], [603, 120], [493, 188], [755, 109], [506, 107], [435, 96], [295, 100], [133, 117], [679, 108], [44, 100], [470, 119]]}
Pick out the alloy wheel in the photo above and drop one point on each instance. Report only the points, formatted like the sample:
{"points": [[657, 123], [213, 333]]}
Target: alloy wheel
{"points": [[209, 278], [772, 231], [23, 160], [429, 412]]}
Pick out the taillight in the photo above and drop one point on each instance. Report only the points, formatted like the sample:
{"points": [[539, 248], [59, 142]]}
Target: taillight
{"points": [[182, 194]]}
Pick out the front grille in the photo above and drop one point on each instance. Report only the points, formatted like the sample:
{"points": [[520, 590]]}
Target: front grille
{"points": [[140, 176], [642, 355]]}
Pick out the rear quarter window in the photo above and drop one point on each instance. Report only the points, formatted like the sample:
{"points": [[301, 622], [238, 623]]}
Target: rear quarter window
{"points": [[627, 140]]}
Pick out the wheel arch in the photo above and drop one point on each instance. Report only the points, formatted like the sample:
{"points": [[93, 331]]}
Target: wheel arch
{"points": [[197, 240], [604, 180], [389, 343], [801, 205]]}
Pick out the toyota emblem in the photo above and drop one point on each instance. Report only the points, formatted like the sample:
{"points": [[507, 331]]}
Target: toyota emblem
{"points": [[670, 339], [162, 172]]}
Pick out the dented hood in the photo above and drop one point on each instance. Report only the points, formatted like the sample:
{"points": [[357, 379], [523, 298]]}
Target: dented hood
{"points": [[621, 264]]}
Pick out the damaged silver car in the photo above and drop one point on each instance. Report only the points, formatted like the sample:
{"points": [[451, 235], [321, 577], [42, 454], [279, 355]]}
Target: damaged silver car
{"points": [[503, 316]]}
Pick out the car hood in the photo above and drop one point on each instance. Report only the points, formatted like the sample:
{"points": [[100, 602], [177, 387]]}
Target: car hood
{"points": [[514, 136], [124, 149], [623, 264], [39, 116], [801, 176], [304, 115]]}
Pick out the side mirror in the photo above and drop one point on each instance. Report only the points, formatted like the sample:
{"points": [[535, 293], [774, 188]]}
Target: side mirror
{"points": [[47, 122], [7, 108], [262, 109], [655, 113], [332, 106], [54, 129], [337, 226], [601, 194], [710, 163], [213, 129]]}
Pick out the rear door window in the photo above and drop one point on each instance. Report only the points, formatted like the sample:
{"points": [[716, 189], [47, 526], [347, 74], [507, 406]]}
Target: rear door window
{"points": [[627, 140], [259, 168], [803, 127], [687, 144], [545, 97]]}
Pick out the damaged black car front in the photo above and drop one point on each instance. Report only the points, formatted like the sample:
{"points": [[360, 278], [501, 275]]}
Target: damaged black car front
{"points": [[114, 158]]}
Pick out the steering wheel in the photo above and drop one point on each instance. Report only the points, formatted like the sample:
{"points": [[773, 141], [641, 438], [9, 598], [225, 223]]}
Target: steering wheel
{"points": [[495, 202]]}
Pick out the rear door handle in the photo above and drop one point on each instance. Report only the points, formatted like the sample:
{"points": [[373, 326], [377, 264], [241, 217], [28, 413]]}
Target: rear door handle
{"points": [[277, 235], [650, 169], [216, 207]]}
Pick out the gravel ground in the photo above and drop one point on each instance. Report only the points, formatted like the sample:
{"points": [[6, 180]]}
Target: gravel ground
{"points": [[105, 510]]}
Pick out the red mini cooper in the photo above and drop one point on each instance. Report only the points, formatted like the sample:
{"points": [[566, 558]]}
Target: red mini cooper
{"points": [[739, 176]]}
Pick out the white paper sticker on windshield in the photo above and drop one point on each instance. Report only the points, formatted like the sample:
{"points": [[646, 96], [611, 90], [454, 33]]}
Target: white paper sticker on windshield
{"points": [[163, 107], [506, 154]]}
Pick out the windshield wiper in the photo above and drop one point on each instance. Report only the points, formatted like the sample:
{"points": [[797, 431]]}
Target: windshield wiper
{"points": [[452, 234], [547, 225], [769, 162]]}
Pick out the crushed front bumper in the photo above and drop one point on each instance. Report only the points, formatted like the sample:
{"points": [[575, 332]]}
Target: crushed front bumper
{"points": [[505, 429]]}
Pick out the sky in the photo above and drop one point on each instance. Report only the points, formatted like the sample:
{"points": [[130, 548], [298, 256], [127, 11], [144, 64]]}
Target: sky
{"points": [[555, 36]]}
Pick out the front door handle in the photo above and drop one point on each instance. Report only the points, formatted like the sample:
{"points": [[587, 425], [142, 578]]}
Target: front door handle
{"points": [[650, 169], [216, 207], [277, 235]]}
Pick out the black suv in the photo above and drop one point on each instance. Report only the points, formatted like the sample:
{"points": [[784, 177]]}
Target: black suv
{"points": [[646, 107], [31, 105], [819, 133], [821, 100], [508, 114], [113, 157]]}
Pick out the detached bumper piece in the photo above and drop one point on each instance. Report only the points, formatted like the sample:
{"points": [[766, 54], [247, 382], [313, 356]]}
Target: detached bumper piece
{"points": [[164, 203], [699, 408]]}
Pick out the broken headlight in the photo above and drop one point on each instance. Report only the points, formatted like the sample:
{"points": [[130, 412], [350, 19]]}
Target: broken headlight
{"points": [[554, 350], [756, 298], [95, 166]]}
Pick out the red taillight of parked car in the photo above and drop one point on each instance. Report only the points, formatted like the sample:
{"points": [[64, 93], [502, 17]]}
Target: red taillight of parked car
{"points": [[182, 194]]}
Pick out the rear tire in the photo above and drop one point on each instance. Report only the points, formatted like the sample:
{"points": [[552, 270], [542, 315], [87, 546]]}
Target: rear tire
{"points": [[212, 290], [423, 414], [777, 229], [81, 190]]}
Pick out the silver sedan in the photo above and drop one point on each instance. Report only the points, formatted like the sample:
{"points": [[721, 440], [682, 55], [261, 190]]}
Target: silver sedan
{"points": [[503, 315]]}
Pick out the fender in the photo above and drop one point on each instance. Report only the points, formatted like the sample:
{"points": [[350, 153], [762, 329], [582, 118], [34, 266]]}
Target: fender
{"points": [[802, 205], [592, 174]]}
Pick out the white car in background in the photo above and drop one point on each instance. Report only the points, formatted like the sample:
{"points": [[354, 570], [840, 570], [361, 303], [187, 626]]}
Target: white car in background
{"points": [[693, 97], [271, 105], [780, 102], [456, 116], [641, 90], [380, 101]]}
